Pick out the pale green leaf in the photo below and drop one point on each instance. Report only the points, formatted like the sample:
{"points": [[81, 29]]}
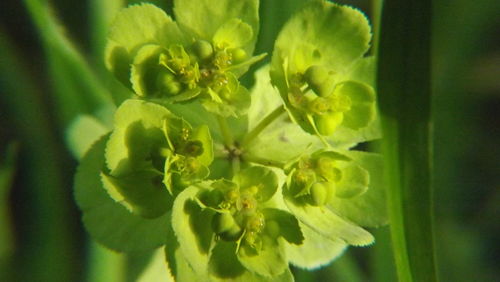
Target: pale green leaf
{"points": [[363, 71], [192, 227], [82, 133], [263, 178], [107, 221], [362, 110], [157, 269], [184, 270], [322, 32], [134, 27], [202, 134], [138, 126], [345, 138], [315, 251], [354, 182], [225, 266], [144, 70], [233, 34], [270, 261], [368, 209], [327, 223], [224, 263], [138, 25], [288, 224], [140, 192], [203, 18]]}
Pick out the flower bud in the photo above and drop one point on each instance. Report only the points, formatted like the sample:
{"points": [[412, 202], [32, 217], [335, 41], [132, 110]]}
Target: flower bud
{"points": [[319, 193], [202, 49], [224, 225], [328, 123], [238, 55], [317, 78], [167, 84]]}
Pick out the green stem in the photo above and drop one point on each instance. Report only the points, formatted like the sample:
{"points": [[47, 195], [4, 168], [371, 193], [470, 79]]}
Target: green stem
{"points": [[404, 93], [263, 161], [262, 125], [225, 131], [376, 12], [235, 163]]}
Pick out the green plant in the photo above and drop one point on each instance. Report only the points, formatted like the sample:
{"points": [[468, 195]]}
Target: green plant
{"points": [[236, 183]]}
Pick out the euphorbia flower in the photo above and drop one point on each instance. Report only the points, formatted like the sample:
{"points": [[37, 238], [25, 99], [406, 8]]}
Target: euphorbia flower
{"points": [[201, 55], [246, 230], [315, 63], [152, 155]]}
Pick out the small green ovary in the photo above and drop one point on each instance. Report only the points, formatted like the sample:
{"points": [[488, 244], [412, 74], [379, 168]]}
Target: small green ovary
{"points": [[314, 179]]}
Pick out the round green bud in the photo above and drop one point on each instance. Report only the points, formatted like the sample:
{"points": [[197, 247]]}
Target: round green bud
{"points": [[238, 55], [233, 234], [328, 123], [202, 49], [167, 84], [172, 88], [222, 222], [319, 193], [317, 78]]}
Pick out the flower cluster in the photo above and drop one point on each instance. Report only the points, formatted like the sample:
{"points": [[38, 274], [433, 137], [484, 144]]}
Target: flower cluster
{"points": [[181, 169]]}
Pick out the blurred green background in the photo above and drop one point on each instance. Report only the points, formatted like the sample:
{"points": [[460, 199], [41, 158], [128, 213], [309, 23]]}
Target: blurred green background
{"points": [[47, 79]]}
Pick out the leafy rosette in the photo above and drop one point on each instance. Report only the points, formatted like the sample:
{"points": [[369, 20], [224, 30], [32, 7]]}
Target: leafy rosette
{"points": [[334, 195], [316, 65], [201, 55], [234, 230], [152, 155]]}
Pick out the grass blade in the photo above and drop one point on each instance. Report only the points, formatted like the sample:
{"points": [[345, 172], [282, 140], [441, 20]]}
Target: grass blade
{"points": [[47, 247], [403, 83], [76, 86]]}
